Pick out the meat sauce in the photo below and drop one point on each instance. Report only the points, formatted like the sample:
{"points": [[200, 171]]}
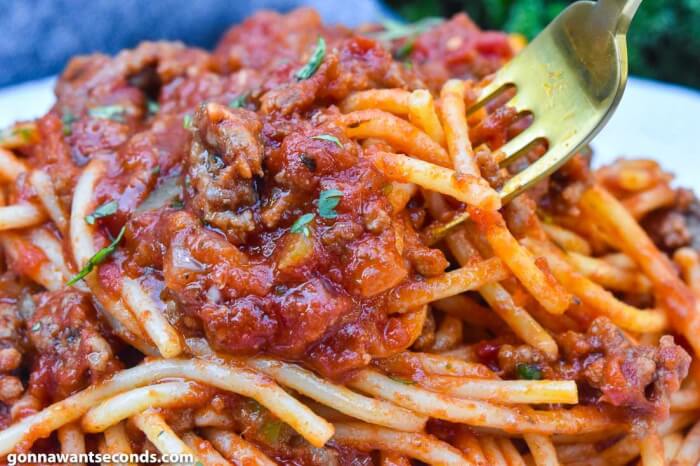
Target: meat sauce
{"points": [[222, 164], [607, 366], [219, 253]]}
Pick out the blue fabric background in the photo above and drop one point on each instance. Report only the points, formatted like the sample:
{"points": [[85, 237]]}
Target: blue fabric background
{"points": [[38, 36]]}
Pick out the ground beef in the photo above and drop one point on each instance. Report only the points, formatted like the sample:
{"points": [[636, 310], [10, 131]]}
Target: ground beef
{"points": [[494, 129], [692, 221], [674, 227], [96, 80], [69, 344], [11, 325], [354, 64], [667, 228], [225, 154], [565, 186], [634, 376], [609, 368], [489, 167], [11, 349]]}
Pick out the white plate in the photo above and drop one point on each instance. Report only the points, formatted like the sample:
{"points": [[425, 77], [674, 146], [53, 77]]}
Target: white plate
{"points": [[657, 121], [654, 120]]}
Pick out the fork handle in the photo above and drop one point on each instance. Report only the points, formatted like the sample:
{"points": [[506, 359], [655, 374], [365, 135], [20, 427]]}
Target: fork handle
{"points": [[617, 14]]}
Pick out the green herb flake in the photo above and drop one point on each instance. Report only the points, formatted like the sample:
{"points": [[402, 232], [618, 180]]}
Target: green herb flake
{"points": [[98, 258], [24, 133], [394, 30], [153, 107], [177, 204], [314, 62], [545, 217], [187, 121], [271, 431], [238, 101], [67, 119], [302, 225], [328, 201], [329, 138], [405, 50], [105, 210], [36, 327], [402, 380], [155, 170], [256, 408], [161, 433], [109, 112], [528, 372]]}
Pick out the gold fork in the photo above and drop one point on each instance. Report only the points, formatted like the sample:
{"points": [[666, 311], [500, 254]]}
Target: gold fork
{"points": [[570, 78]]}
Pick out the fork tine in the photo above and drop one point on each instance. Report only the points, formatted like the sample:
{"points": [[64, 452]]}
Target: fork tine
{"points": [[497, 83], [517, 103], [544, 166], [500, 79], [514, 148], [580, 61]]}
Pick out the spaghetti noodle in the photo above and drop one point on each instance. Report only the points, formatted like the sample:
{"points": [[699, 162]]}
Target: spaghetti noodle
{"points": [[292, 250]]}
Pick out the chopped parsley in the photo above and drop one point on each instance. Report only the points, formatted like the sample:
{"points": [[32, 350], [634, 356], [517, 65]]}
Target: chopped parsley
{"points": [[98, 258], [408, 32], [177, 204], [238, 101], [405, 50], [271, 431], [314, 62], [109, 112], [67, 119], [328, 201], [155, 170], [187, 121], [36, 327], [302, 225], [402, 380], [23, 133], [528, 372], [104, 210], [153, 107], [394, 30], [329, 138]]}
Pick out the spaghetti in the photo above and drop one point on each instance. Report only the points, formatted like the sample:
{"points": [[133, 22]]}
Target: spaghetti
{"points": [[292, 250]]}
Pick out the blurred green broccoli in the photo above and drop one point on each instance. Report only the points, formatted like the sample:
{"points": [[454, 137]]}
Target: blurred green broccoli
{"points": [[664, 40]]}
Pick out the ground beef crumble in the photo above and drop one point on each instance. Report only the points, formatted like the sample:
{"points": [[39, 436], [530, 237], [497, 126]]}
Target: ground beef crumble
{"points": [[609, 367]]}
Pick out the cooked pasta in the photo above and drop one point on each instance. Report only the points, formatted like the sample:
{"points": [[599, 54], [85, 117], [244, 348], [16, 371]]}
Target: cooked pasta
{"points": [[292, 250]]}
